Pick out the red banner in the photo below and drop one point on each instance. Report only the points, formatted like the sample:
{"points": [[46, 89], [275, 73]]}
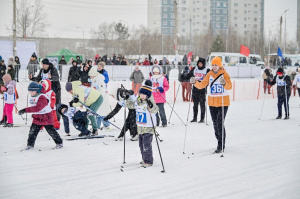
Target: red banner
{"points": [[189, 57], [244, 50]]}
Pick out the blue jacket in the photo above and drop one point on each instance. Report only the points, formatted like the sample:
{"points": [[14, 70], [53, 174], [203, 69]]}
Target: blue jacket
{"points": [[105, 74]]}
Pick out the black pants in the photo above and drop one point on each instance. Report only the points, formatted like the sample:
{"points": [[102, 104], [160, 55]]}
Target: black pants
{"points": [[35, 129], [199, 98], [145, 144], [299, 92], [282, 100], [79, 122], [58, 100], [66, 124], [130, 123], [216, 116]]}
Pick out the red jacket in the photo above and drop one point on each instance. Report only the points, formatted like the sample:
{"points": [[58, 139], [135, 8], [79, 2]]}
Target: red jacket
{"points": [[146, 63], [40, 119]]}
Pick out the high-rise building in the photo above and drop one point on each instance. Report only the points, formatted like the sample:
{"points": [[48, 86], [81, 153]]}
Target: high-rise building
{"points": [[298, 24], [198, 16]]}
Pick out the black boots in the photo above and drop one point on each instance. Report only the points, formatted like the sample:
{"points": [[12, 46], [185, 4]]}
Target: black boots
{"points": [[3, 122], [278, 117], [194, 120], [287, 117], [201, 121], [8, 125], [219, 147]]}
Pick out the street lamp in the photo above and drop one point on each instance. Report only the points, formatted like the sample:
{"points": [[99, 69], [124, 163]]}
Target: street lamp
{"points": [[83, 44], [281, 24]]}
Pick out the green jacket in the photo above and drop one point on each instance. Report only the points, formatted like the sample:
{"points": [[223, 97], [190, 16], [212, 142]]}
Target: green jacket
{"points": [[86, 95], [131, 105]]}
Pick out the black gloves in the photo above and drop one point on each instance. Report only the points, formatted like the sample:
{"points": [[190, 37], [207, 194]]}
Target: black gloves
{"points": [[149, 103], [71, 103], [106, 119], [75, 100], [126, 93], [21, 112]]}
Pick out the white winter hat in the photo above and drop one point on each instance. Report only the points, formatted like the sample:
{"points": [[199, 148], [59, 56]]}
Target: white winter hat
{"points": [[156, 69], [93, 72]]}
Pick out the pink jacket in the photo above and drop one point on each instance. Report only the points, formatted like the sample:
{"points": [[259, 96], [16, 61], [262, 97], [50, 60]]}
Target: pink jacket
{"points": [[157, 95]]}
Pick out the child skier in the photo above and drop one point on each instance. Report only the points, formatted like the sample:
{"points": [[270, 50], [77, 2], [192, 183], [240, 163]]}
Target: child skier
{"points": [[9, 100], [160, 86], [130, 122], [283, 92], [87, 95], [42, 116], [146, 109], [51, 95], [76, 117]]}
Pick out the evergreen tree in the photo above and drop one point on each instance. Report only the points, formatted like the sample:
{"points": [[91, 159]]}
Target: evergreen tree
{"points": [[218, 45]]}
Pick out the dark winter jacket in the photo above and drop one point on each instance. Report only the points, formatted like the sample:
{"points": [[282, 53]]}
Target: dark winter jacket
{"points": [[78, 61], [74, 74], [184, 76], [18, 65], [191, 74], [2, 71], [123, 63], [137, 77], [84, 75], [62, 62], [281, 89], [105, 74], [40, 119], [11, 72], [55, 84]]}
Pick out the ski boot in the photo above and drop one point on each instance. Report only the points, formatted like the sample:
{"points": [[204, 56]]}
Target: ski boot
{"points": [[201, 121], [146, 165], [8, 125], [119, 138], [164, 125], [278, 117], [58, 146], [3, 122], [135, 138], [28, 148], [94, 132], [194, 120], [287, 117]]}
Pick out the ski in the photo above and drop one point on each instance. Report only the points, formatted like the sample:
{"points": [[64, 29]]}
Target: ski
{"points": [[130, 165], [201, 154], [88, 137], [131, 168]]}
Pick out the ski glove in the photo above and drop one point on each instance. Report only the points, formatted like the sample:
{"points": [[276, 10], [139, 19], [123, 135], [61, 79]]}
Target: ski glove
{"points": [[71, 103], [21, 112], [3, 88], [75, 100], [106, 119], [222, 81], [193, 80], [160, 89], [149, 103]]}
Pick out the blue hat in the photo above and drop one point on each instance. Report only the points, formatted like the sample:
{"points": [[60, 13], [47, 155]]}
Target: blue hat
{"points": [[34, 86], [68, 86], [146, 89]]}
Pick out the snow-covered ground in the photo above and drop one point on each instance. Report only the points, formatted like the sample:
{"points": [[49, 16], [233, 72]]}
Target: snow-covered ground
{"points": [[261, 159]]}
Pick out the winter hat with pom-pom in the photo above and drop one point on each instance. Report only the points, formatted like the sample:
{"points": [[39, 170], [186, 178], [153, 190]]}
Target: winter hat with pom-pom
{"points": [[146, 89]]}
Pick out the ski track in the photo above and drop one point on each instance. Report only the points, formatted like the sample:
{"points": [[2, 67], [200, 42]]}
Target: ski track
{"points": [[260, 160]]}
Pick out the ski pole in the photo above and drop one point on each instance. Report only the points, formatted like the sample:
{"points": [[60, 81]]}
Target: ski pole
{"points": [[222, 121], [163, 171], [206, 110], [96, 114], [187, 121], [113, 116], [27, 106], [18, 111], [124, 132], [174, 102], [171, 107], [286, 103], [262, 107]]}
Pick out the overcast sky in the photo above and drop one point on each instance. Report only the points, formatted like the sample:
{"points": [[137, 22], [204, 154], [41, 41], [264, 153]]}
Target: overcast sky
{"points": [[65, 16]]}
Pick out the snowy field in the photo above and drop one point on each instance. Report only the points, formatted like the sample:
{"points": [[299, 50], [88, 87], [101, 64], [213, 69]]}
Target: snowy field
{"points": [[261, 159]]}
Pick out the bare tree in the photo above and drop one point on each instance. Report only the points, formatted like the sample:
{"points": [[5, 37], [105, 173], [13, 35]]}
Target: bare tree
{"points": [[31, 18]]}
